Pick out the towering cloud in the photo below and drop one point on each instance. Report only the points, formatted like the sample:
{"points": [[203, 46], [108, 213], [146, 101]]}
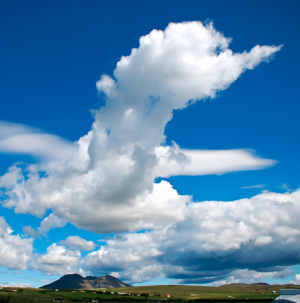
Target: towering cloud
{"points": [[105, 182], [108, 175]]}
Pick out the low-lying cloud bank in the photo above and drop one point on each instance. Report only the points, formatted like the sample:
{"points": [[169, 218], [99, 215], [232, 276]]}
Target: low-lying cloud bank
{"points": [[247, 240], [212, 242], [105, 182]]}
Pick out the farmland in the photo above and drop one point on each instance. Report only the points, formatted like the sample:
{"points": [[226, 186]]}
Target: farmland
{"points": [[226, 293], [237, 291]]}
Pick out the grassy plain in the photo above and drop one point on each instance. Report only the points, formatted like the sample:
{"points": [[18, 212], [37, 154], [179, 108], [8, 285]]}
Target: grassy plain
{"points": [[238, 291], [41, 296], [233, 292]]}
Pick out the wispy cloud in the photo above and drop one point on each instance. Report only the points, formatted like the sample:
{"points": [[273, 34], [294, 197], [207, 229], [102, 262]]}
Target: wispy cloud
{"points": [[16, 284], [254, 186], [285, 187], [22, 139]]}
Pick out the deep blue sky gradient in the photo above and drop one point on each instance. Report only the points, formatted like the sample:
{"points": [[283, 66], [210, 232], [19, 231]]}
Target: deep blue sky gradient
{"points": [[53, 52]]}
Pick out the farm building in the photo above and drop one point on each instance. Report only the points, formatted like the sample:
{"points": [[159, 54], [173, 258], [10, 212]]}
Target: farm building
{"points": [[288, 296]]}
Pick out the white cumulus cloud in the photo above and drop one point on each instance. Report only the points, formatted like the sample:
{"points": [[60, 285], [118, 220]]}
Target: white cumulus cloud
{"points": [[57, 261], [49, 223], [216, 241], [78, 243], [296, 279], [29, 231], [46, 225], [15, 252]]}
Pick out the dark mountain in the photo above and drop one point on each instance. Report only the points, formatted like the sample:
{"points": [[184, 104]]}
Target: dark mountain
{"points": [[76, 281]]}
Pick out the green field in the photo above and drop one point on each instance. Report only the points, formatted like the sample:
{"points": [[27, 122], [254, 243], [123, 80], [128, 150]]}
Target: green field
{"points": [[238, 291], [40, 296], [227, 293]]}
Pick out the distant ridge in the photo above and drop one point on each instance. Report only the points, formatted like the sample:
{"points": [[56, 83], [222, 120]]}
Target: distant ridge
{"points": [[76, 281], [241, 284]]}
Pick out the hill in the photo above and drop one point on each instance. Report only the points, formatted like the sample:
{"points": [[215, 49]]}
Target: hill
{"points": [[76, 281]]}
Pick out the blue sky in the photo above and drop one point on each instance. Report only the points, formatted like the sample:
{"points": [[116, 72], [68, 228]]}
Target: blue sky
{"points": [[131, 160]]}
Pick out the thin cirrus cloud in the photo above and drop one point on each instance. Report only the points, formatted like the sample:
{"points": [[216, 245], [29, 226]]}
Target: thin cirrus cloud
{"points": [[112, 169], [207, 162], [253, 186], [22, 139]]}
